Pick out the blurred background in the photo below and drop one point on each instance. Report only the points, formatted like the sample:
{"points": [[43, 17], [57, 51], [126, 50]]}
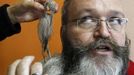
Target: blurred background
{"points": [[27, 41]]}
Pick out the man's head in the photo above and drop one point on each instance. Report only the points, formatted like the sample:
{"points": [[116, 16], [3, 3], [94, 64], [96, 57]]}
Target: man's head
{"points": [[94, 39]]}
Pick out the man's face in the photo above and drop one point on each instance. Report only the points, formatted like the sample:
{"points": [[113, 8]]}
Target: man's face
{"points": [[80, 33], [95, 33]]}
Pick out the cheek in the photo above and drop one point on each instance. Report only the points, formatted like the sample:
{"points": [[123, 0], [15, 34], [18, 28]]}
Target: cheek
{"points": [[119, 38], [79, 37]]}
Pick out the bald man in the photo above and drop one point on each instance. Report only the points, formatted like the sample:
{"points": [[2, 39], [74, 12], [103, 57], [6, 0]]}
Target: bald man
{"points": [[94, 41]]}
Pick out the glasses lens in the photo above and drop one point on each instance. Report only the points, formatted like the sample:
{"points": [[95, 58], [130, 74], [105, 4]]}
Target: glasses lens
{"points": [[88, 23], [117, 23]]}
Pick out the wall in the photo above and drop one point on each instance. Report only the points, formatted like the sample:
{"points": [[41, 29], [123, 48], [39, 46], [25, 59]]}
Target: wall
{"points": [[27, 42], [129, 10]]}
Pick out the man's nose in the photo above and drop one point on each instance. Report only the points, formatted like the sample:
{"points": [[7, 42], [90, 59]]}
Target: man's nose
{"points": [[102, 30]]}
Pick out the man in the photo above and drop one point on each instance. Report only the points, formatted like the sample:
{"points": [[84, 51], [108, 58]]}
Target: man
{"points": [[94, 41]]}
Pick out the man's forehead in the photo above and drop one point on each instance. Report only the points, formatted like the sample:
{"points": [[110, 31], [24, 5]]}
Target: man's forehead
{"points": [[100, 5], [109, 2]]}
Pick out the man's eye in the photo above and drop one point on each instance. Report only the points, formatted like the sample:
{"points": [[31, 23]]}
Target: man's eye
{"points": [[85, 20], [116, 21]]}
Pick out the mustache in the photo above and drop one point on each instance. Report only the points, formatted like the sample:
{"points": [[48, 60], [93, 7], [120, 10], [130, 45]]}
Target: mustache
{"points": [[102, 42], [99, 42], [117, 50]]}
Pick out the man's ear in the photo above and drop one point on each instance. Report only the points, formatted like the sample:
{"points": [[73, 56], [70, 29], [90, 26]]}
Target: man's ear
{"points": [[128, 41], [63, 33], [63, 29]]}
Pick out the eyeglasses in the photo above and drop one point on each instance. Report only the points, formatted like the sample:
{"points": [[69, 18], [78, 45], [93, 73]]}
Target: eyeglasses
{"points": [[91, 23]]}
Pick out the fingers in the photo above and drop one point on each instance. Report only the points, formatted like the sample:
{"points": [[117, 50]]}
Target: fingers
{"points": [[37, 68], [53, 6], [12, 67], [33, 4], [39, 5], [30, 10], [41, 1], [23, 67]]}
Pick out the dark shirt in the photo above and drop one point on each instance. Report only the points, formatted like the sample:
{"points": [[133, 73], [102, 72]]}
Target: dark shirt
{"points": [[6, 27]]}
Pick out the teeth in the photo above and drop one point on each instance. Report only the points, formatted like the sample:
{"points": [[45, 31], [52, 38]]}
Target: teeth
{"points": [[101, 47]]}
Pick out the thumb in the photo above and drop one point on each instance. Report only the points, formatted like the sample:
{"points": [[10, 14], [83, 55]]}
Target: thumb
{"points": [[37, 68]]}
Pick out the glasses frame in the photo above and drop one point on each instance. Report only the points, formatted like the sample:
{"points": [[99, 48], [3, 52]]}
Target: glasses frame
{"points": [[98, 21]]}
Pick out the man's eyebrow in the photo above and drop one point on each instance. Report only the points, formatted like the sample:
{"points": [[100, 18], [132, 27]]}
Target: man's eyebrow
{"points": [[95, 13], [87, 11], [116, 13], [80, 13]]}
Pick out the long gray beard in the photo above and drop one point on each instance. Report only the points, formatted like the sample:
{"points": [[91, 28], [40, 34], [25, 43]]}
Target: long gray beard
{"points": [[101, 65], [79, 62]]}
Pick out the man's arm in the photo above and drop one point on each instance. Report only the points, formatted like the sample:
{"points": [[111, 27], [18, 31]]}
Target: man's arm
{"points": [[25, 11], [6, 26]]}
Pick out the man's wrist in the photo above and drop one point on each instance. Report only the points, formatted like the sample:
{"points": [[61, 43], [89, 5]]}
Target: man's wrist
{"points": [[11, 15]]}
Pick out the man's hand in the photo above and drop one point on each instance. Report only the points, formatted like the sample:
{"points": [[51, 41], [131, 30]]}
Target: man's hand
{"points": [[27, 10], [22, 67]]}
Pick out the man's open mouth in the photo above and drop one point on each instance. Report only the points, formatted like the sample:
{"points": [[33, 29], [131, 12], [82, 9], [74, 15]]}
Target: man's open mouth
{"points": [[104, 49]]}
